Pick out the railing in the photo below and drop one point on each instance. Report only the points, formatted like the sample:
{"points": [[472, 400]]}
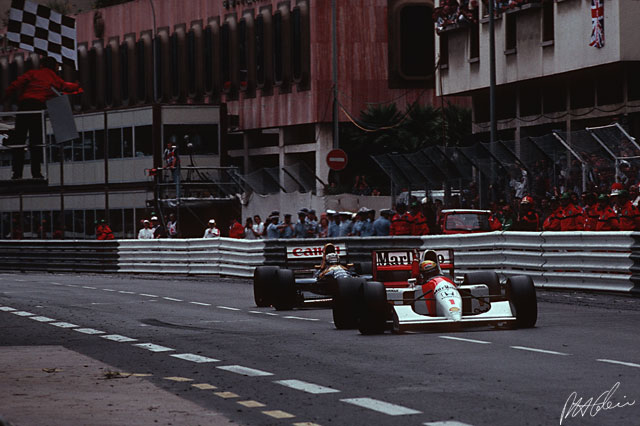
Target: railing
{"points": [[603, 261]]}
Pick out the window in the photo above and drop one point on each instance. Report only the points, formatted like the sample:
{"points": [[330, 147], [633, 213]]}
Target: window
{"points": [[115, 143], [203, 137], [416, 42], [242, 53], [191, 60], [77, 149], [260, 50], [108, 72], [296, 43], [510, 40], [474, 41], [78, 223], [129, 229], [99, 144], [115, 222], [144, 142], [208, 59], [175, 68], [89, 223], [127, 142], [142, 71], [225, 58], [88, 145], [277, 46], [547, 21], [444, 50]]}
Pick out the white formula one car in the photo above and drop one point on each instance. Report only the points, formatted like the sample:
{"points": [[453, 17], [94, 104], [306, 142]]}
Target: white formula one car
{"points": [[430, 298]]}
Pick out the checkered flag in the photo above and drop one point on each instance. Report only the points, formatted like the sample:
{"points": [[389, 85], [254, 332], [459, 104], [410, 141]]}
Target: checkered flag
{"points": [[39, 29]]}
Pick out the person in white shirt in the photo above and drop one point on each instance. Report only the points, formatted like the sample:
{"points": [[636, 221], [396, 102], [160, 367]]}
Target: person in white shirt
{"points": [[146, 233], [258, 226], [211, 231], [172, 226]]}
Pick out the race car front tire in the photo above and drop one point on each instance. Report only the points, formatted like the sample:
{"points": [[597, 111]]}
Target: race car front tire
{"points": [[263, 277], [346, 302], [522, 295], [363, 268], [489, 278], [374, 308], [284, 290]]}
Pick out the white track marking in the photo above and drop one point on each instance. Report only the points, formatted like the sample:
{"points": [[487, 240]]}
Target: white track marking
{"points": [[118, 338], [381, 406], [271, 314], [172, 299], [6, 309], [246, 371], [228, 308], [446, 423], [465, 340], [89, 287], [256, 312], [306, 387], [88, 331], [153, 348], [195, 358], [613, 361], [22, 313], [149, 295], [301, 318], [54, 283], [200, 303], [42, 319], [71, 285], [108, 289], [126, 292], [64, 324], [543, 351]]}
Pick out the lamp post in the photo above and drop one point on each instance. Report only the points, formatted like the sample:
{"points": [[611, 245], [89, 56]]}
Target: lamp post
{"points": [[154, 46]]}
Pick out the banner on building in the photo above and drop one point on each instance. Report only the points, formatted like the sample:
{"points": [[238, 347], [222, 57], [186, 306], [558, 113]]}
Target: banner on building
{"points": [[597, 23], [37, 28]]}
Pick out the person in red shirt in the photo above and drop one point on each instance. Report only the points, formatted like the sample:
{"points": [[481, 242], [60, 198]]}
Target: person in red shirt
{"points": [[236, 230], [418, 221], [34, 89], [528, 220], [103, 231], [401, 222], [591, 212], [608, 220], [552, 222], [571, 217], [627, 213]]}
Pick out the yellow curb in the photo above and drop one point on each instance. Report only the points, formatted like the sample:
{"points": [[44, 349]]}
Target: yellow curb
{"points": [[277, 414], [226, 394], [251, 404], [204, 386], [179, 379]]}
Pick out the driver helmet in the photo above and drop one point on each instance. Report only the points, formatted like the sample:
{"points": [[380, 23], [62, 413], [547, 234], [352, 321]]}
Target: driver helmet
{"points": [[332, 259], [428, 270]]}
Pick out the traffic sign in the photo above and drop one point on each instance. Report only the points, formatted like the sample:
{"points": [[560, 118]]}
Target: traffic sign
{"points": [[337, 159]]}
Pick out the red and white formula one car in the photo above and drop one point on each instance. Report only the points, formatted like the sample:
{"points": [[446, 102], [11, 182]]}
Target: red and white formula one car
{"points": [[411, 291]]}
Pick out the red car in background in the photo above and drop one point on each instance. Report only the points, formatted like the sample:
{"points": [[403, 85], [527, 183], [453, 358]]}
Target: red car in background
{"points": [[467, 221]]}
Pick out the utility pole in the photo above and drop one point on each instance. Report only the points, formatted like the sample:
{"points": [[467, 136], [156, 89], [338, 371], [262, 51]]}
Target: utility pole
{"points": [[155, 55], [492, 89], [334, 52]]}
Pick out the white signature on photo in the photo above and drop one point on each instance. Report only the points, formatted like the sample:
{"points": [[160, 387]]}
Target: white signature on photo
{"points": [[574, 406]]}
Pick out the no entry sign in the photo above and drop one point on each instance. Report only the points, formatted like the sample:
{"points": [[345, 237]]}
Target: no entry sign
{"points": [[337, 159]]}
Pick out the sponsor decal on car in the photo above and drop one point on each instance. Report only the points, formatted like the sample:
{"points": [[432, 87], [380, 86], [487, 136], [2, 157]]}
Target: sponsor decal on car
{"points": [[454, 309], [309, 252], [392, 258]]}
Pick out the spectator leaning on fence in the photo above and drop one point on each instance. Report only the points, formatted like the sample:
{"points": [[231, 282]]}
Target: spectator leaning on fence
{"points": [[258, 227], [382, 225], [249, 230], [145, 233], [211, 231], [236, 230], [272, 229], [172, 226]]}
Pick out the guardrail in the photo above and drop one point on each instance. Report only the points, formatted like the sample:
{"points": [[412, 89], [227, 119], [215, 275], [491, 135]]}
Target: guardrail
{"points": [[604, 261]]}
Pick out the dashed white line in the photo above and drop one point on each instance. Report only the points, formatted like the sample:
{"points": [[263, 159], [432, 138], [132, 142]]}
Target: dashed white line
{"points": [[446, 423], [256, 312], [301, 318], [88, 331], [172, 299], [126, 292], [118, 338], [245, 371], [153, 348], [54, 283], [64, 324], [71, 285], [22, 313], [306, 387], [613, 361], [484, 342], [89, 287], [195, 358], [149, 295], [200, 303], [42, 319], [228, 308], [381, 406], [108, 289], [6, 309], [271, 314], [542, 351]]}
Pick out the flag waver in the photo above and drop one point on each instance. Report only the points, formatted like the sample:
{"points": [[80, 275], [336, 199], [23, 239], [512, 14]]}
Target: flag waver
{"points": [[37, 28], [597, 23]]}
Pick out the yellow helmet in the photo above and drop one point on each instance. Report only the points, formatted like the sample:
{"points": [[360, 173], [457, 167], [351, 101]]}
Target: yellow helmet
{"points": [[428, 269]]}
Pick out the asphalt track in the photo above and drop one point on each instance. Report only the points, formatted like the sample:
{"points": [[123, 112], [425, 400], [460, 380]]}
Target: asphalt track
{"points": [[204, 340]]}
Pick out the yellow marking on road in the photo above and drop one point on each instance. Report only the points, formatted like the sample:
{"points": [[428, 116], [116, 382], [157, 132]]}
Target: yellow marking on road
{"points": [[204, 386], [226, 395], [179, 379], [278, 414], [251, 404]]}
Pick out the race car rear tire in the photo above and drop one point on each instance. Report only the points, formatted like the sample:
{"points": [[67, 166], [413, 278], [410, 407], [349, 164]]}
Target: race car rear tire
{"points": [[346, 302], [522, 295], [284, 290], [263, 277], [374, 308], [485, 277]]}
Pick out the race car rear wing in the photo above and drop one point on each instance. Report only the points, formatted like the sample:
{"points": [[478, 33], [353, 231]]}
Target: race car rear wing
{"points": [[303, 258], [395, 267]]}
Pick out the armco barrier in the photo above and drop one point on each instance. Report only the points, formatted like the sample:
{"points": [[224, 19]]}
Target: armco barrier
{"points": [[59, 256], [605, 261]]}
